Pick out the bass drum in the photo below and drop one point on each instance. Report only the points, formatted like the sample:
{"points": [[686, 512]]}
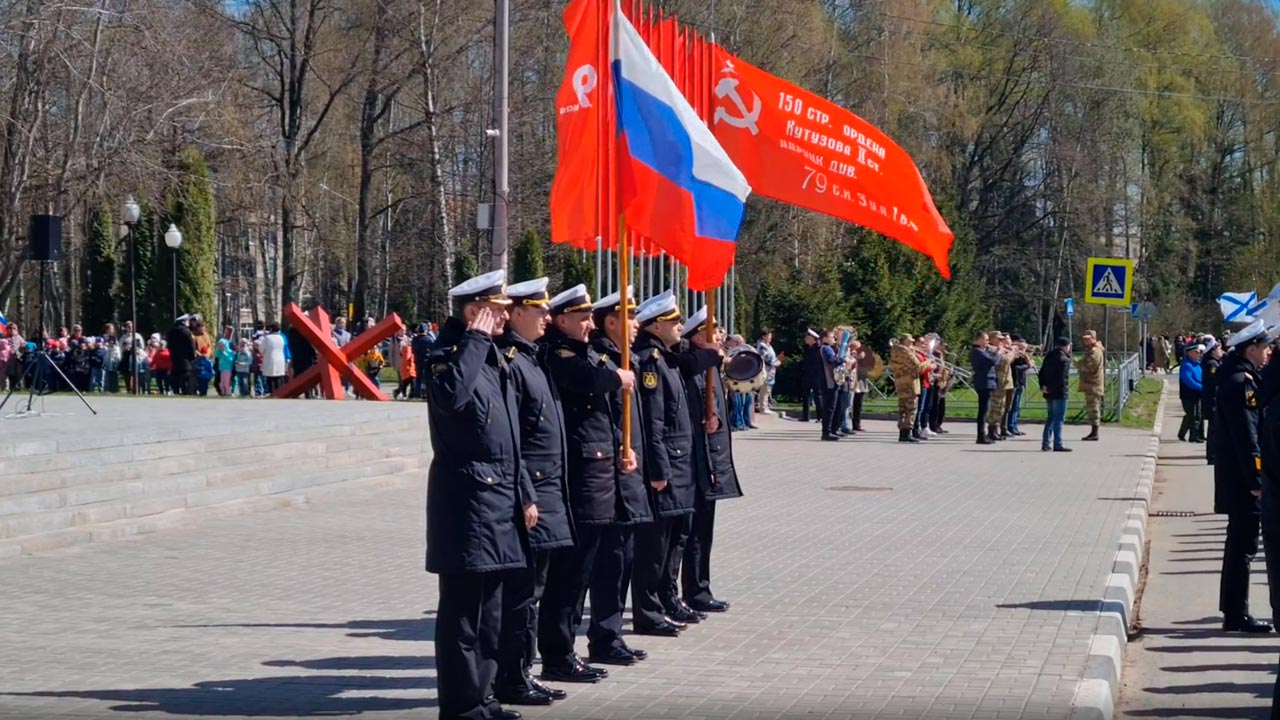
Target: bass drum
{"points": [[744, 369]]}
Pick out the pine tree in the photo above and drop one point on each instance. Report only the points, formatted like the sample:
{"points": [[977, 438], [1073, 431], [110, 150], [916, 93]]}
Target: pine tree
{"points": [[575, 269], [98, 298], [191, 208], [465, 266], [528, 258]]}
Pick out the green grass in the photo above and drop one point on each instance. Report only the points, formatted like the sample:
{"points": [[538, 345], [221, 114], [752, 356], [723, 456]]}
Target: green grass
{"points": [[1140, 411]]}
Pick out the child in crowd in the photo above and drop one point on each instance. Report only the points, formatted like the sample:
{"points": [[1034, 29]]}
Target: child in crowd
{"points": [[161, 366], [372, 363], [243, 366], [408, 371], [6, 354], [226, 364]]}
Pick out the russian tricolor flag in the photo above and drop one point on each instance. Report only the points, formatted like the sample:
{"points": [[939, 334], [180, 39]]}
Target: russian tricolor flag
{"points": [[4, 324], [679, 187]]}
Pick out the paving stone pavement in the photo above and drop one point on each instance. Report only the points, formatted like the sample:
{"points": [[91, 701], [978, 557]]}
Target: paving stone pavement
{"points": [[868, 580], [1184, 666]]}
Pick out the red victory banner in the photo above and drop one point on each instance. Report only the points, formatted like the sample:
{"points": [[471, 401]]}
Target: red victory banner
{"points": [[801, 149]]}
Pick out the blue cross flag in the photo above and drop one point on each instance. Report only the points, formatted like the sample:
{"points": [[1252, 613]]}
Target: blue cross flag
{"points": [[1241, 307], [1108, 281]]}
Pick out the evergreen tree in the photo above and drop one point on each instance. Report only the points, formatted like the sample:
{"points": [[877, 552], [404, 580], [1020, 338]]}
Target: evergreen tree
{"points": [[464, 266], [191, 208], [528, 258], [575, 269], [98, 297]]}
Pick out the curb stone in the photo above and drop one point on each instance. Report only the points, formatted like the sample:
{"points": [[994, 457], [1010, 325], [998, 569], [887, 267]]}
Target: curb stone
{"points": [[1097, 694]]}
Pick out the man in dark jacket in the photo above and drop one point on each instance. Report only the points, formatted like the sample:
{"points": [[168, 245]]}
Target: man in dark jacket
{"points": [[478, 513], [420, 346], [668, 451], [182, 355], [542, 455], [1237, 472], [611, 575], [716, 475], [1055, 379], [811, 375], [1190, 389], [587, 385], [1209, 378], [983, 360]]}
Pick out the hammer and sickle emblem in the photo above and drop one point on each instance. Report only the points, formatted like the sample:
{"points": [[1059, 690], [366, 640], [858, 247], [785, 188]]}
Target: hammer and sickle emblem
{"points": [[728, 88], [584, 81]]}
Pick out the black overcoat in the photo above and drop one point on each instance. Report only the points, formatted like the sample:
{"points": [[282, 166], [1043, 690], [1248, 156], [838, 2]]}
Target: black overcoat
{"points": [[712, 453], [633, 494], [1237, 469], [475, 519], [668, 434], [542, 442]]}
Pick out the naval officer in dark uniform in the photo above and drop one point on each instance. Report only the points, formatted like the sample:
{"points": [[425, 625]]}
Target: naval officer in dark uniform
{"points": [[586, 385], [478, 513], [1237, 471], [668, 451], [542, 455], [717, 477], [611, 576]]}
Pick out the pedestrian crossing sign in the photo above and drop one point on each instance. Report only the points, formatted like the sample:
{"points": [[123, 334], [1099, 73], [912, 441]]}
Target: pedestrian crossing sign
{"points": [[1108, 281]]}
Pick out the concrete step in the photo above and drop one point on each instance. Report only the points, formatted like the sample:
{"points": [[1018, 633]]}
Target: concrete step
{"points": [[54, 472], [115, 448], [105, 502], [271, 494]]}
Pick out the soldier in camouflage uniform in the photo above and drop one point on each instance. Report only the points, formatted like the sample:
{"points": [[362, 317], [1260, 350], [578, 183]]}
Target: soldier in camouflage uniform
{"points": [[906, 366], [1004, 387], [1092, 370]]}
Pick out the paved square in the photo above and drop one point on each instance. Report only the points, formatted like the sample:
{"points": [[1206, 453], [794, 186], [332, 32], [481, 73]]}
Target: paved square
{"points": [[869, 579]]}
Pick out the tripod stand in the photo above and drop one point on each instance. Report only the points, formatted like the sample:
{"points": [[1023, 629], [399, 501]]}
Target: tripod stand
{"points": [[36, 376]]}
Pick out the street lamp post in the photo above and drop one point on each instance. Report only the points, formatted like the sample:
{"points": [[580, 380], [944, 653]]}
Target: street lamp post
{"points": [[129, 214], [173, 238]]}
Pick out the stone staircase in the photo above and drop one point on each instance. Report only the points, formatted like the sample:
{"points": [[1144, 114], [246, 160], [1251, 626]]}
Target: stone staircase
{"points": [[110, 482]]}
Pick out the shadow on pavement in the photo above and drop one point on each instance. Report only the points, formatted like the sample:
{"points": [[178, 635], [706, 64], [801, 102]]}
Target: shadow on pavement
{"points": [[1223, 712], [293, 696], [371, 662], [1086, 606], [409, 629]]}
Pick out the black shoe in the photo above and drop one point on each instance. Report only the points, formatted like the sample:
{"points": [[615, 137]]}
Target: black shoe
{"points": [[1045, 448], [597, 670], [985, 441], [522, 696], [830, 437], [553, 693], [678, 615], [1247, 624], [1092, 436], [576, 672], [636, 653], [663, 629], [1062, 449], [504, 714], [711, 606], [680, 624], [613, 656], [686, 607], [1182, 437]]}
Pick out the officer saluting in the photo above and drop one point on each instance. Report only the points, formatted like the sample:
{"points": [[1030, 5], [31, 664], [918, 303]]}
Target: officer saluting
{"points": [[477, 512], [1238, 469], [594, 461], [668, 457], [717, 478], [542, 454]]}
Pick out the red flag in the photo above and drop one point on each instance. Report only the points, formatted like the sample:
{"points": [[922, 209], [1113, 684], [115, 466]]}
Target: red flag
{"points": [[580, 210], [798, 148]]}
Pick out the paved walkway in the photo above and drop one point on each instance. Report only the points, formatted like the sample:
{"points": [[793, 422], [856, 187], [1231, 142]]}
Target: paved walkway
{"points": [[1184, 666], [868, 579]]}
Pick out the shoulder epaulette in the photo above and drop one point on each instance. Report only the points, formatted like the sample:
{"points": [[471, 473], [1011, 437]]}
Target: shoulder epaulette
{"points": [[565, 352], [655, 354], [511, 352]]}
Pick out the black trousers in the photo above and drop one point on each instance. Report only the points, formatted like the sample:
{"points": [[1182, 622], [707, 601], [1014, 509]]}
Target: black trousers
{"points": [[468, 621], [806, 394], [1208, 436], [938, 412], [1238, 553], [984, 404], [857, 410], [1191, 427], [680, 529], [568, 578], [648, 585], [610, 581], [1270, 521], [827, 408], [696, 577], [518, 642]]}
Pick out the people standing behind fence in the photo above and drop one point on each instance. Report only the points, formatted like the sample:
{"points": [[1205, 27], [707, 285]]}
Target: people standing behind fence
{"points": [[1190, 391], [1093, 381]]}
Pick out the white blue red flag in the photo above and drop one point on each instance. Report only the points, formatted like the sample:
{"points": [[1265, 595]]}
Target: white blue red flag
{"points": [[678, 186]]}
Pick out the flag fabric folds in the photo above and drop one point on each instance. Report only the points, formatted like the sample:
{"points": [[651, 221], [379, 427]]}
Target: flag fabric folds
{"points": [[583, 113], [678, 186], [1242, 307]]}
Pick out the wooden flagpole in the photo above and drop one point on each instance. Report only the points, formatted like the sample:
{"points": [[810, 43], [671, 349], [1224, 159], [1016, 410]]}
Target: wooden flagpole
{"points": [[624, 317]]}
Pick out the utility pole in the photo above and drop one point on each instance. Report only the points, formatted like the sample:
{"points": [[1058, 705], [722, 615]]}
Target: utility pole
{"points": [[501, 147]]}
